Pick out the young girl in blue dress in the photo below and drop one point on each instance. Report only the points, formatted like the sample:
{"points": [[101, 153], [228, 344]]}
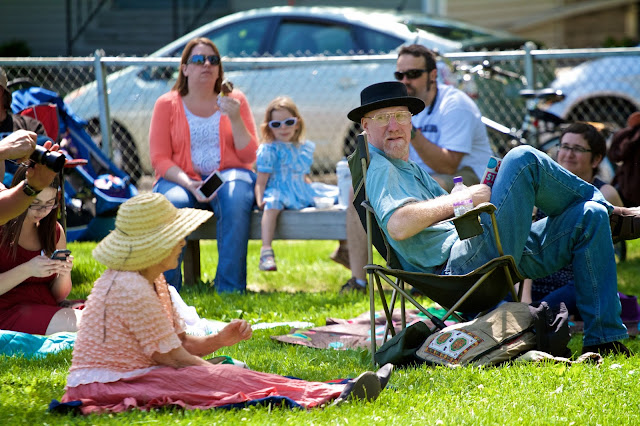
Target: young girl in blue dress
{"points": [[283, 164]]}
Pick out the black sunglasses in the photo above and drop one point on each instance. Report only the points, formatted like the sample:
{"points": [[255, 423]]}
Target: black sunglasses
{"points": [[200, 59], [411, 74]]}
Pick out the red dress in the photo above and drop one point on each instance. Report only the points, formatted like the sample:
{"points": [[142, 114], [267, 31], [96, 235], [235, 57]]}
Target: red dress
{"points": [[29, 306]]}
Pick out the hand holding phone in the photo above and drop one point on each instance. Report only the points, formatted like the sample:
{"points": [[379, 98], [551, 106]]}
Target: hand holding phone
{"points": [[210, 185], [61, 254]]}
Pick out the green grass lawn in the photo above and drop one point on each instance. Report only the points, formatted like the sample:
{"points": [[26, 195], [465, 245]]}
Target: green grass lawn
{"points": [[306, 289]]}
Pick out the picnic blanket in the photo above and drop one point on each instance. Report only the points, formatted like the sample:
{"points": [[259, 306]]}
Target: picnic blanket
{"points": [[32, 345], [342, 334]]}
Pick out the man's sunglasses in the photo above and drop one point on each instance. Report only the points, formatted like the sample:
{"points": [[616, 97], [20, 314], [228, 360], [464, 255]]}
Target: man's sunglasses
{"points": [[200, 59], [274, 124], [411, 74]]}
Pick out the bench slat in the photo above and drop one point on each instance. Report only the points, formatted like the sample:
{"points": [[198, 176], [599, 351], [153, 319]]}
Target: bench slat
{"points": [[307, 224]]}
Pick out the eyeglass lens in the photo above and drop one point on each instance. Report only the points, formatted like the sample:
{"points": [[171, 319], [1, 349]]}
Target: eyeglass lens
{"points": [[382, 119], [200, 59], [411, 74], [274, 124], [577, 149], [37, 207]]}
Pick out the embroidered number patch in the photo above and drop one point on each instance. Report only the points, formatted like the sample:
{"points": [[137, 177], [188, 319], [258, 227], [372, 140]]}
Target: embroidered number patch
{"points": [[452, 345]]}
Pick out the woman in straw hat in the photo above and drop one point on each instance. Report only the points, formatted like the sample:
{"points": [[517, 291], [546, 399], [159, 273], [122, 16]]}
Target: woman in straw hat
{"points": [[132, 350]]}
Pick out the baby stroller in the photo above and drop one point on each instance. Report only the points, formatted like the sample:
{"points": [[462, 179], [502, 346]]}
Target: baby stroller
{"points": [[94, 187]]}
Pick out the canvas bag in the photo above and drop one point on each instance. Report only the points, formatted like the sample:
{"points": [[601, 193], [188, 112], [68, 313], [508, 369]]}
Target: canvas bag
{"points": [[491, 339]]}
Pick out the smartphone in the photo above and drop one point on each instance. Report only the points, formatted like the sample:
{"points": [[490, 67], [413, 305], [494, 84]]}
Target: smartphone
{"points": [[211, 184], [60, 254]]}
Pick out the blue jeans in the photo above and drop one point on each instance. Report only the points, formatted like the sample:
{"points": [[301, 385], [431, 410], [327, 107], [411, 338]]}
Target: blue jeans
{"points": [[231, 207], [576, 232]]}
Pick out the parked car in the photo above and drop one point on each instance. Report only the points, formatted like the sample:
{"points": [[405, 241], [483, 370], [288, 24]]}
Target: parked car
{"points": [[324, 91], [605, 90]]}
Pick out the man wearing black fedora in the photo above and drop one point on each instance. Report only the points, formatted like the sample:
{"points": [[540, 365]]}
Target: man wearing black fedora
{"points": [[408, 203]]}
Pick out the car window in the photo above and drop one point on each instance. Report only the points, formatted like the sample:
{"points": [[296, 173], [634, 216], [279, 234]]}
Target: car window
{"points": [[241, 38], [377, 42], [312, 38], [451, 32]]}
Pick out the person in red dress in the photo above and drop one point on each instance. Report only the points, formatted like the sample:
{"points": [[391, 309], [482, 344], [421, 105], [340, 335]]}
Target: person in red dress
{"points": [[34, 287]]}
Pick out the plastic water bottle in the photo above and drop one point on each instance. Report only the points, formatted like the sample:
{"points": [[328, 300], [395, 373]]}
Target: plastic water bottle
{"points": [[464, 201], [344, 182]]}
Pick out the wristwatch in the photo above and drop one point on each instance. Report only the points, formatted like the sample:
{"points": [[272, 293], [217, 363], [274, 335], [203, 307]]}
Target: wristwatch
{"points": [[413, 132], [29, 190]]}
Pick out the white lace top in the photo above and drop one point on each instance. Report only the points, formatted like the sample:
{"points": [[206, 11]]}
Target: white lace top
{"points": [[205, 141]]}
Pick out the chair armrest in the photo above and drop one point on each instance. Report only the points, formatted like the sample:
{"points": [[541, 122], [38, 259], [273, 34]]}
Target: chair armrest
{"points": [[468, 225]]}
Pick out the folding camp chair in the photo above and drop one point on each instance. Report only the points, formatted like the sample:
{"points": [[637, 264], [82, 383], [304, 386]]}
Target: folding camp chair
{"points": [[478, 291]]}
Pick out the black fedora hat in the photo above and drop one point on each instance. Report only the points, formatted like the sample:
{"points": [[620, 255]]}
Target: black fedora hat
{"points": [[383, 95]]}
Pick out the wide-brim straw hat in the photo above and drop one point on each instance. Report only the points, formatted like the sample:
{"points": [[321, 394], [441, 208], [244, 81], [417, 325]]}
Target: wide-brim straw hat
{"points": [[148, 227], [383, 95]]}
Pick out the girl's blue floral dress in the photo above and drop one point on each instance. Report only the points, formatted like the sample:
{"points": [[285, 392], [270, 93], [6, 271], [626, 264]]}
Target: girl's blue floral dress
{"points": [[287, 163]]}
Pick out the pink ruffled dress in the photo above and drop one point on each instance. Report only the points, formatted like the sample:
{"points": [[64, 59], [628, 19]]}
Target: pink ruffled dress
{"points": [[125, 321]]}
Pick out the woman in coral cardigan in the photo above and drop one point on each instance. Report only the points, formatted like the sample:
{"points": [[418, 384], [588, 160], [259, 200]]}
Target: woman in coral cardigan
{"points": [[195, 130]]}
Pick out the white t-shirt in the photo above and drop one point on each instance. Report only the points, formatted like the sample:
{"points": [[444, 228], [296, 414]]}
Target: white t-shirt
{"points": [[454, 123]]}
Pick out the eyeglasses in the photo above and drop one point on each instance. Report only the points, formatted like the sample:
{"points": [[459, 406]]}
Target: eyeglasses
{"points": [[577, 149], [42, 207], [411, 74], [200, 59], [274, 124], [382, 119]]}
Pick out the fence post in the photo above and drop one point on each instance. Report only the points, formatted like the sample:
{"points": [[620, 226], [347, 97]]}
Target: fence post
{"points": [[103, 103], [529, 71]]}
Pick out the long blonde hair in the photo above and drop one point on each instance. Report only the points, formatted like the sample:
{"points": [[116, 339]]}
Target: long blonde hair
{"points": [[182, 83], [282, 102]]}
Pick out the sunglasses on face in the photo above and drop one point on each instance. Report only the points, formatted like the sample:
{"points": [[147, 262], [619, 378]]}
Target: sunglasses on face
{"points": [[274, 124], [200, 59], [382, 119], [410, 74]]}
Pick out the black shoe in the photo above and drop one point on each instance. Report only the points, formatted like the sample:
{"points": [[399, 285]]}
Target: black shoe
{"points": [[352, 285], [364, 387], [384, 374], [609, 348], [625, 223]]}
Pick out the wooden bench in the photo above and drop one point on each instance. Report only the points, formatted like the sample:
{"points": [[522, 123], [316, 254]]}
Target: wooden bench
{"points": [[305, 224]]}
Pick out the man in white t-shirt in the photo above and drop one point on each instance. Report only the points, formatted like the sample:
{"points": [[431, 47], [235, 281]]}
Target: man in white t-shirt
{"points": [[448, 139]]}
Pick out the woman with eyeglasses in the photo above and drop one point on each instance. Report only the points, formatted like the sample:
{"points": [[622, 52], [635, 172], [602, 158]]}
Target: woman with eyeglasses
{"points": [[284, 163], [33, 287], [581, 150], [196, 129]]}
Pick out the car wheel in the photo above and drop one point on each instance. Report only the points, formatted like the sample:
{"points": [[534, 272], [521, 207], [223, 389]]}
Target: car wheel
{"points": [[124, 152], [605, 109]]}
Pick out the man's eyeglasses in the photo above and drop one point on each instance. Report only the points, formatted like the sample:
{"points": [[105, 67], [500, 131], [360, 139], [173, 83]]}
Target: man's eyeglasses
{"points": [[42, 207], [411, 74], [577, 149], [382, 118], [200, 59], [274, 124]]}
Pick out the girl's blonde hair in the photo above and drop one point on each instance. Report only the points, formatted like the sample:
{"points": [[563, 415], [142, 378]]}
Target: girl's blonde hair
{"points": [[282, 102]]}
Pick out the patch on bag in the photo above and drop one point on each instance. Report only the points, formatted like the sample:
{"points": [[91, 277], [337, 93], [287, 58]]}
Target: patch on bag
{"points": [[452, 345]]}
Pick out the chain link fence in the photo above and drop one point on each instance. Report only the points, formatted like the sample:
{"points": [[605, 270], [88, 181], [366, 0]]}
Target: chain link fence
{"points": [[601, 85]]}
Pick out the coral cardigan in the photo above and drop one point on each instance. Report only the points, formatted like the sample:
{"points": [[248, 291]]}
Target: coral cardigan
{"points": [[170, 139]]}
